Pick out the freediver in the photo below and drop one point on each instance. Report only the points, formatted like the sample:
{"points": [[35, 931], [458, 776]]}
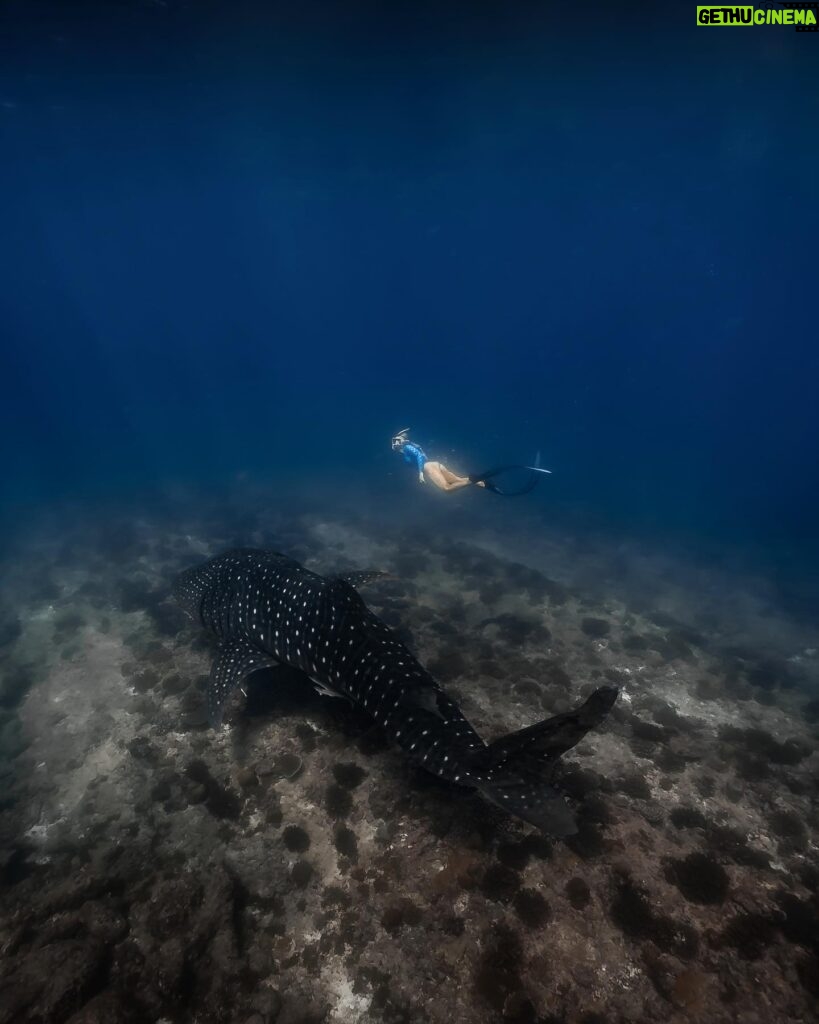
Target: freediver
{"points": [[434, 472]]}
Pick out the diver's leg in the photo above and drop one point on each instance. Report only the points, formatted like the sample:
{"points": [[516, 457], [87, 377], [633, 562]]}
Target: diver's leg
{"points": [[443, 478], [457, 482], [450, 477], [433, 474]]}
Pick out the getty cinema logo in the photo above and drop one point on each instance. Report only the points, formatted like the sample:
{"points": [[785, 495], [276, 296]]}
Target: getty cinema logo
{"points": [[802, 16]]}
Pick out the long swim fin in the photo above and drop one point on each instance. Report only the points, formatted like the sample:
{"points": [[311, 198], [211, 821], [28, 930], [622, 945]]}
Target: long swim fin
{"points": [[486, 479], [537, 468]]}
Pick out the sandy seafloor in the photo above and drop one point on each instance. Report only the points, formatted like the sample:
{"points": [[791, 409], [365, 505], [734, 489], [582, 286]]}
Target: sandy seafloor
{"points": [[292, 867]]}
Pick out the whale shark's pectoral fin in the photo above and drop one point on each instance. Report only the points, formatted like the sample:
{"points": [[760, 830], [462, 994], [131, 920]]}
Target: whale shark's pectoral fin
{"points": [[235, 660], [361, 579]]}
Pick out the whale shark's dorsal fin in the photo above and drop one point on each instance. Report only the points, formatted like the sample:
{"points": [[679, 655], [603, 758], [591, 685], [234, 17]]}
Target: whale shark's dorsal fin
{"points": [[345, 596]]}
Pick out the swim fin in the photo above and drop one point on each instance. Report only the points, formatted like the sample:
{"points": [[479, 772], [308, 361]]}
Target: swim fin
{"points": [[486, 478], [537, 468]]}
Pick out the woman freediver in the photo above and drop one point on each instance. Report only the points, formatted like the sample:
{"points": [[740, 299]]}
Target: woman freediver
{"points": [[434, 472]]}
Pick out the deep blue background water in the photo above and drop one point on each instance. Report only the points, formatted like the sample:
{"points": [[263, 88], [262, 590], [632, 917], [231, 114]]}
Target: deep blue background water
{"points": [[261, 238]]}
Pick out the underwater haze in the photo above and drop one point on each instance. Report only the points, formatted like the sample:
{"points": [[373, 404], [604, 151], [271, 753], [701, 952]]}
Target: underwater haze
{"points": [[263, 238], [243, 245]]}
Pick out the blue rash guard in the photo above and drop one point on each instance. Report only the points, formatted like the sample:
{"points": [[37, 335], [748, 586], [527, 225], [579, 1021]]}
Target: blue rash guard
{"points": [[412, 453]]}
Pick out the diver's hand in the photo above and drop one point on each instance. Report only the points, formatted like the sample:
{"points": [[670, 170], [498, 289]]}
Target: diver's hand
{"points": [[480, 483], [421, 478]]}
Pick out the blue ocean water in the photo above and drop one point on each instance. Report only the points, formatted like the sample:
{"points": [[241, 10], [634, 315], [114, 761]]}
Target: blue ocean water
{"points": [[258, 239]]}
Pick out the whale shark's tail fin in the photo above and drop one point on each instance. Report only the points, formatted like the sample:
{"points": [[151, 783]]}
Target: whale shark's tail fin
{"points": [[515, 769]]}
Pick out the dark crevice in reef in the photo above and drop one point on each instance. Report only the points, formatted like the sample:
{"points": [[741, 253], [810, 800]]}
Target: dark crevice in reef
{"points": [[700, 878], [759, 743], [800, 922], [749, 933], [633, 912], [497, 976], [219, 800]]}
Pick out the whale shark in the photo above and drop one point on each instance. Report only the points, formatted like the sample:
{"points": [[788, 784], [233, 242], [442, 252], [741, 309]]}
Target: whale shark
{"points": [[268, 610]]}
